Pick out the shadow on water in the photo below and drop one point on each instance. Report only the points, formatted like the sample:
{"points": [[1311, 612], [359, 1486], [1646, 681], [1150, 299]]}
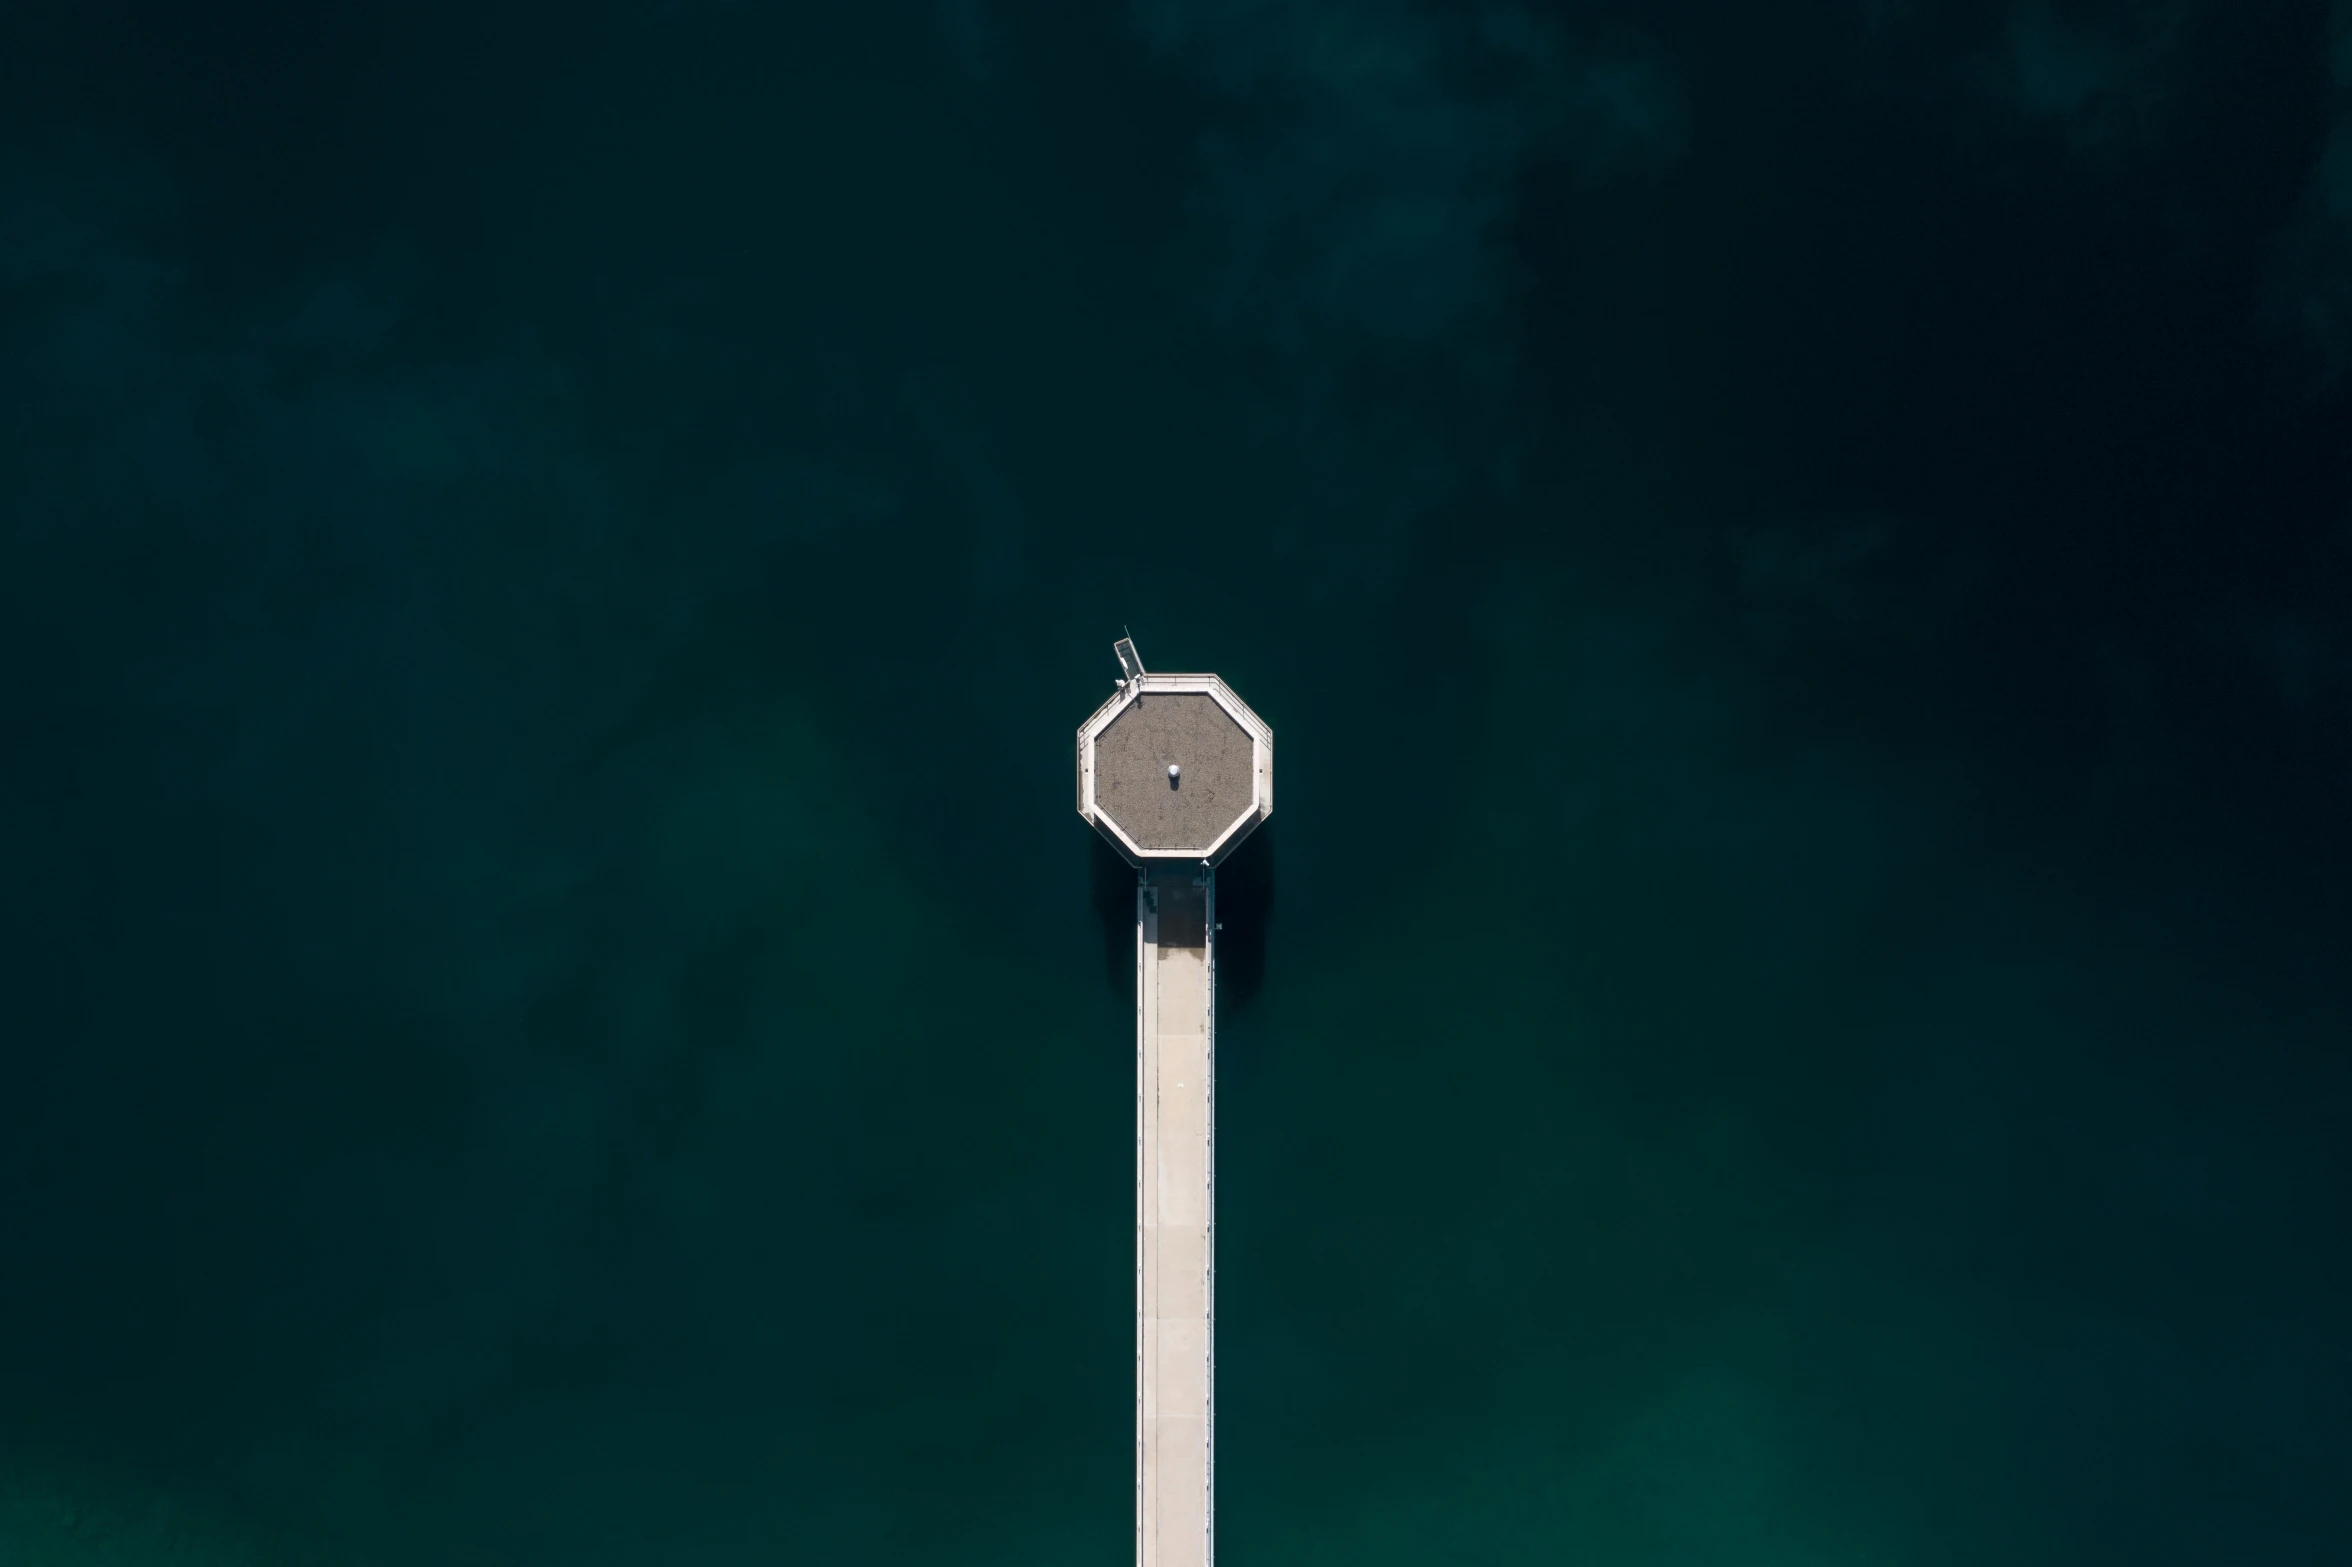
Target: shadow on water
{"points": [[1111, 889], [1245, 907]]}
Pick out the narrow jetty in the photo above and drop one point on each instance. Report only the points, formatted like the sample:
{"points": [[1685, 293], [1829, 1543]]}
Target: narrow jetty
{"points": [[1175, 770]]}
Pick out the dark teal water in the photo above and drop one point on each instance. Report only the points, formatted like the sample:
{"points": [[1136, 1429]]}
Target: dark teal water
{"points": [[556, 1009]]}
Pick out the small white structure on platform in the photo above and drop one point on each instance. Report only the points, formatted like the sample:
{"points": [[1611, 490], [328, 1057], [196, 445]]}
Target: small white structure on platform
{"points": [[1175, 771]]}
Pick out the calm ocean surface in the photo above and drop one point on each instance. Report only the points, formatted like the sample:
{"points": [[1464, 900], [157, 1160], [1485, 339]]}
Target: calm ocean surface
{"points": [[1793, 1012]]}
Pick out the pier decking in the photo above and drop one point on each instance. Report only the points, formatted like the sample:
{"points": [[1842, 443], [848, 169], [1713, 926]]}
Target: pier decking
{"points": [[1175, 1220]]}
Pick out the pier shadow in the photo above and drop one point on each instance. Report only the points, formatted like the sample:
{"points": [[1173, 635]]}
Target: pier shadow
{"points": [[1245, 908], [1111, 889]]}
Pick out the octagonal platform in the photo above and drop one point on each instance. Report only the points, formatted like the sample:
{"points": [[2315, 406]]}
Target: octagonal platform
{"points": [[1221, 753]]}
